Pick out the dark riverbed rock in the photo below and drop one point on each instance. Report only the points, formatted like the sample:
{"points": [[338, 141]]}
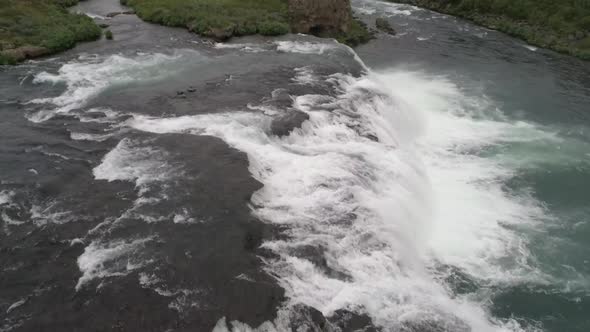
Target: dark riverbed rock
{"points": [[307, 319], [320, 17], [350, 321], [317, 256], [283, 124], [383, 25]]}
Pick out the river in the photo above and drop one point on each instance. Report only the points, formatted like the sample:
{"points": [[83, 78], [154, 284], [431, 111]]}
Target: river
{"points": [[435, 180]]}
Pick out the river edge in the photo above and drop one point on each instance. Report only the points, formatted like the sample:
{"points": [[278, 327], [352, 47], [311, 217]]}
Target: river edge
{"points": [[357, 34], [530, 33]]}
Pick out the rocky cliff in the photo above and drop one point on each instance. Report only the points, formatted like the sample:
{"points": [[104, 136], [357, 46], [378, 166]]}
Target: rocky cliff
{"points": [[320, 17]]}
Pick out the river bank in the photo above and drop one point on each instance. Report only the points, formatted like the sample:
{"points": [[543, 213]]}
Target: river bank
{"points": [[38, 28], [29, 29], [222, 20], [563, 27]]}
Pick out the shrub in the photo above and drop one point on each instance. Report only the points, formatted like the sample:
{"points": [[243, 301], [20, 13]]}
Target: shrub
{"points": [[108, 35]]}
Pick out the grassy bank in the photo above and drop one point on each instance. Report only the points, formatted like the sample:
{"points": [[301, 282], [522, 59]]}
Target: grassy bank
{"points": [[562, 25], [216, 17], [30, 28], [222, 19]]}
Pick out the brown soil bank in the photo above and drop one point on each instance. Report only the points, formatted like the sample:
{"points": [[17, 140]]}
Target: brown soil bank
{"points": [[563, 26]]}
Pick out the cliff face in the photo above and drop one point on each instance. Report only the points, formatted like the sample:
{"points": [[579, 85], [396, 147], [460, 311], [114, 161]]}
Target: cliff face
{"points": [[320, 17]]}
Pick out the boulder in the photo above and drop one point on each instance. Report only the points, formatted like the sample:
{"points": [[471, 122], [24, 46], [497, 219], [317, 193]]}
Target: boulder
{"points": [[320, 17], [220, 34], [25, 52], [283, 124], [304, 318], [383, 25]]}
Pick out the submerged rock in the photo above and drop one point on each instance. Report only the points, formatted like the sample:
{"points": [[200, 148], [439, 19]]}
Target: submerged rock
{"points": [[383, 25], [307, 319], [320, 17], [350, 321], [283, 124]]}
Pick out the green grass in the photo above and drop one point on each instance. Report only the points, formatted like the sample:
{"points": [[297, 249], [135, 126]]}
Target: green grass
{"points": [[42, 23], [552, 24], [234, 17], [239, 17]]}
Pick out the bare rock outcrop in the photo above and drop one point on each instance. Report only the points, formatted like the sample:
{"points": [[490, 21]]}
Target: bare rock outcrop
{"points": [[320, 17]]}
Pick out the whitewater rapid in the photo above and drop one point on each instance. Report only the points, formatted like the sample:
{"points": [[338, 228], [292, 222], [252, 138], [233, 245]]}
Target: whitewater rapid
{"points": [[384, 182]]}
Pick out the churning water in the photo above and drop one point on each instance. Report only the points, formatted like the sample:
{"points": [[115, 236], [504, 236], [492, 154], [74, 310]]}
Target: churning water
{"points": [[417, 195]]}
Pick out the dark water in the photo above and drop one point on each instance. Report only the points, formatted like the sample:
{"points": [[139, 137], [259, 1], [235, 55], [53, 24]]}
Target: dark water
{"points": [[162, 182]]}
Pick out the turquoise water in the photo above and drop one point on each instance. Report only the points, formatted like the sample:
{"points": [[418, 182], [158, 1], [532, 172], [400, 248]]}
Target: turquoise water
{"points": [[541, 100]]}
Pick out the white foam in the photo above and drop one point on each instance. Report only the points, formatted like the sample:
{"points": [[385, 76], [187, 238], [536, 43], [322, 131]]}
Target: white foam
{"points": [[6, 197], [101, 260], [129, 161], [472, 209], [95, 16], [91, 75], [325, 173], [42, 215], [365, 10], [530, 48], [184, 217], [16, 304], [246, 47], [385, 212], [304, 76], [392, 9], [303, 47], [110, 116], [90, 137]]}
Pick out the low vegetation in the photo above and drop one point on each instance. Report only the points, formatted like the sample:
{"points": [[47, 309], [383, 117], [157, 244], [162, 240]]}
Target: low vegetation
{"points": [[30, 28], [562, 25], [356, 35], [216, 18], [222, 19]]}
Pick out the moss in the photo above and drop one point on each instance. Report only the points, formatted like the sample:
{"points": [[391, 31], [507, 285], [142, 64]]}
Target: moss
{"points": [[558, 25], [43, 23], [7, 60], [357, 34]]}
